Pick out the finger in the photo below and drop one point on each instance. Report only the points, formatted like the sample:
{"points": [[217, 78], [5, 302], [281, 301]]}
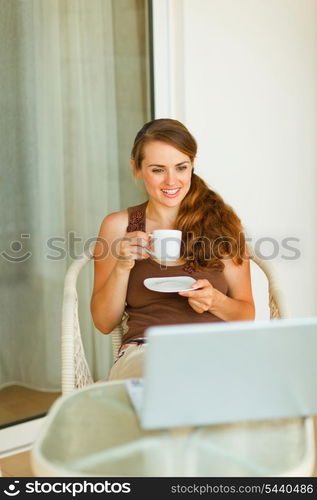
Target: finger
{"points": [[140, 242], [132, 252], [133, 245], [142, 255], [150, 245], [199, 302], [139, 253], [137, 234], [200, 292], [186, 294], [196, 306], [201, 283]]}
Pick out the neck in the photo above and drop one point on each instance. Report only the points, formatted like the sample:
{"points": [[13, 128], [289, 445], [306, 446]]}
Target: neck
{"points": [[163, 216]]}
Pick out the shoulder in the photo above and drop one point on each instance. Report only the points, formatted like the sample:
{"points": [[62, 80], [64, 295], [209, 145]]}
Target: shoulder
{"points": [[237, 275], [231, 266], [114, 224], [120, 218], [238, 278]]}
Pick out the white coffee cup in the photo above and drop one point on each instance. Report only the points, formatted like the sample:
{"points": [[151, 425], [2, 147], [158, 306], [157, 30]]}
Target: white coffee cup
{"points": [[166, 244]]}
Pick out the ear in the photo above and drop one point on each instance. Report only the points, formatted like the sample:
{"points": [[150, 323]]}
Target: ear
{"points": [[135, 172]]}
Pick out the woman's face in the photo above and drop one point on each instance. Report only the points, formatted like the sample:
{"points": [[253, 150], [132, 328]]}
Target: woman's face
{"points": [[166, 173]]}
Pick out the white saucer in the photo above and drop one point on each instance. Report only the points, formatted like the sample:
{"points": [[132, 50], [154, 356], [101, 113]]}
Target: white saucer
{"points": [[171, 284]]}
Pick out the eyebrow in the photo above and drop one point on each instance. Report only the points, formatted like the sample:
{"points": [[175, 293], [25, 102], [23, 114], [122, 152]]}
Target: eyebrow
{"points": [[177, 164]]}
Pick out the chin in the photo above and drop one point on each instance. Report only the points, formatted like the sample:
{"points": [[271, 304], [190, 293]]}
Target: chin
{"points": [[171, 202]]}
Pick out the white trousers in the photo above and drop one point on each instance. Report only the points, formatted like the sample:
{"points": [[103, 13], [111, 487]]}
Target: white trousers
{"points": [[129, 364]]}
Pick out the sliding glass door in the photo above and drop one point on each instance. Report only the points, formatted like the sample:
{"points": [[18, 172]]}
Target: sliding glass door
{"points": [[76, 85]]}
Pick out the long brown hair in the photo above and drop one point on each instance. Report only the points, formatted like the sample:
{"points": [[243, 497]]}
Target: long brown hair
{"points": [[211, 229]]}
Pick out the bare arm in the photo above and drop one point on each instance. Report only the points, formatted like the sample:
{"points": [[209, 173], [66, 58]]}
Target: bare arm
{"points": [[238, 304], [115, 254]]}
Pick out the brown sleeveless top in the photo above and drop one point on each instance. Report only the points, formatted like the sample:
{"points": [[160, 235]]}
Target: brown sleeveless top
{"points": [[149, 308]]}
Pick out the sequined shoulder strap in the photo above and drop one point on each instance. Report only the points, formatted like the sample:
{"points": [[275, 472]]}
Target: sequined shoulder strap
{"points": [[137, 218]]}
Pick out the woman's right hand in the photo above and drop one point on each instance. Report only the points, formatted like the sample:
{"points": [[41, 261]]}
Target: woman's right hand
{"points": [[131, 248]]}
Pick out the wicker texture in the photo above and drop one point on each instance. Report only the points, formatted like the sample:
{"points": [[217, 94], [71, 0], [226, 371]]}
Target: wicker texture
{"points": [[75, 369], [277, 303]]}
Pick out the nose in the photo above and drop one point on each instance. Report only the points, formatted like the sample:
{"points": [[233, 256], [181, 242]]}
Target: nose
{"points": [[170, 178]]}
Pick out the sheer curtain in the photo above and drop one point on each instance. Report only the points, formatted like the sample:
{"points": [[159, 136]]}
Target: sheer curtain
{"points": [[60, 171]]}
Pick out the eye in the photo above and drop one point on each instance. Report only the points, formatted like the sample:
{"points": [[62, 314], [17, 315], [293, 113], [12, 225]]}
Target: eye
{"points": [[157, 170], [182, 167]]}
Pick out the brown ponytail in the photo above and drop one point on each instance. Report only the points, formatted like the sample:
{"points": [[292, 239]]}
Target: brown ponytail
{"points": [[212, 231]]}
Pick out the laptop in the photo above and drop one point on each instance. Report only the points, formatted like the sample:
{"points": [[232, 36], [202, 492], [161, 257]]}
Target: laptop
{"points": [[202, 374]]}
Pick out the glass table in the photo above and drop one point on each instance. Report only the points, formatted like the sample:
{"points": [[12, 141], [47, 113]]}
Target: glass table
{"points": [[96, 432]]}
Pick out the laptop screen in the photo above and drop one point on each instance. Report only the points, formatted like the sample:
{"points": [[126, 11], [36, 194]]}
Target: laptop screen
{"points": [[200, 374]]}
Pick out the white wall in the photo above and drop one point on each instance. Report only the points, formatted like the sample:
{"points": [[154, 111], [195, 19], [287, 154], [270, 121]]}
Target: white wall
{"points": [[242, 75]]}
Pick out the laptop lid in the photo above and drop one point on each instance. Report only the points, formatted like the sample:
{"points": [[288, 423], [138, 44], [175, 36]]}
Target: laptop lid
{"points": [[200, 374]]}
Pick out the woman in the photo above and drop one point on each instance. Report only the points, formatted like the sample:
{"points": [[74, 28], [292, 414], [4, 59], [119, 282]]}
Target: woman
{"points": [[213, 249]]}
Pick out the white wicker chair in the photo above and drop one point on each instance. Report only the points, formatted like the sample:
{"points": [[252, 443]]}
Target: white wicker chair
{"points": [[75, 370]]}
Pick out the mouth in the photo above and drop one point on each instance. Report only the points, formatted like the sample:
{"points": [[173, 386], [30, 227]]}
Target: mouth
{"points": [[171, 193]]}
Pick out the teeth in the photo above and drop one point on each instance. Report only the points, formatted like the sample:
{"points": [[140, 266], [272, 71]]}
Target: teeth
{"points": [[170, 191]]}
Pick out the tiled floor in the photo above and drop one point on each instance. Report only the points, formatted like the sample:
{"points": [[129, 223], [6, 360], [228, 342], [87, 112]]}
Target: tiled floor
{"points": [[19, 465]]}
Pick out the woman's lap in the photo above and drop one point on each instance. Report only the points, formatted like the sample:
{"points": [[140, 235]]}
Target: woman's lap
{"points": [[129, 364]]}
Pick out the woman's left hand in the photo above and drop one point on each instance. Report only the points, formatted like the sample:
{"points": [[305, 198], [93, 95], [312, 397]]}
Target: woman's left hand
{"points": [[202, 297]]}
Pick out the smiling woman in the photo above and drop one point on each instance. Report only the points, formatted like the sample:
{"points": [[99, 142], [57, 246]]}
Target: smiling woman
{"points": [[166, 173], [163, 156]]}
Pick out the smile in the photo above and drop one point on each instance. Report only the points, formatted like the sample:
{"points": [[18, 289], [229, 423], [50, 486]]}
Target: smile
{"points": [[171, 192]]}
